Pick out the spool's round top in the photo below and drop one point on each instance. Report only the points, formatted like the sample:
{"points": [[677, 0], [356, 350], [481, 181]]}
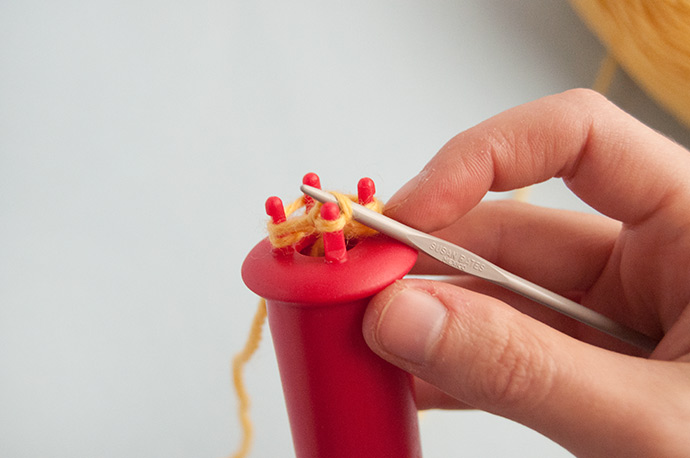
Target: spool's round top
{"points": [[371, 265]]}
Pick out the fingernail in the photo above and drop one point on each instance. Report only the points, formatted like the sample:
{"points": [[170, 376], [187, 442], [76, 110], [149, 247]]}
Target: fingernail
{"points": [[411, 324]]}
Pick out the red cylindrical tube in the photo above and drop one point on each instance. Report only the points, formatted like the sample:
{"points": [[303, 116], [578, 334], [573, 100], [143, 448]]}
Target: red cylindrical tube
{"points": [[343, 401]]}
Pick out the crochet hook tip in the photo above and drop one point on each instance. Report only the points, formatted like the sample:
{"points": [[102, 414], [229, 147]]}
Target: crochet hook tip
{"points": [[318, 194]]}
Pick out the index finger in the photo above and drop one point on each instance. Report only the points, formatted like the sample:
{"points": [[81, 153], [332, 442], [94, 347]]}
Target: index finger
{"points": [[610, 160]]}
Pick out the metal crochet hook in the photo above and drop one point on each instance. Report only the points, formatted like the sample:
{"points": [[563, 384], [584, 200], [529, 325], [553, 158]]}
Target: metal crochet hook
{"points": [[469, 263]]}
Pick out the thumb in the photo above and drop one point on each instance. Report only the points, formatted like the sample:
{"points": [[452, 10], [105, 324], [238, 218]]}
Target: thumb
{"points": [[488, 355]]}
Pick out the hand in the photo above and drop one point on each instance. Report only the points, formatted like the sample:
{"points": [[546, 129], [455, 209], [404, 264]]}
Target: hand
{"points": [[469, 348]]}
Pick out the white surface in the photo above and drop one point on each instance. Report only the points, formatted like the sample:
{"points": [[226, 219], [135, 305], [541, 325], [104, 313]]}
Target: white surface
{"points": [[138, 141]]}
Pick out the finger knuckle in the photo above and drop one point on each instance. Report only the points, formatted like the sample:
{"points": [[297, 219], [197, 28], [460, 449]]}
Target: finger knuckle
{"points": [[518, 373]]}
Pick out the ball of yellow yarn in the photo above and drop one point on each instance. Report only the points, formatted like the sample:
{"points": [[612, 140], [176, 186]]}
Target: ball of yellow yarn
{"points": [[650, 39]]}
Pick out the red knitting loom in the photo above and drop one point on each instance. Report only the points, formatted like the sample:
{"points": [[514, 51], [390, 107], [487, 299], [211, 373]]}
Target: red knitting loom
{"points": [[343, 401]]}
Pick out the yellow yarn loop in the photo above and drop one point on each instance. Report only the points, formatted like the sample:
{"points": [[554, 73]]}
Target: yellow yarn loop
{"points": [[323, 225], [296, 228], [651, 41]]}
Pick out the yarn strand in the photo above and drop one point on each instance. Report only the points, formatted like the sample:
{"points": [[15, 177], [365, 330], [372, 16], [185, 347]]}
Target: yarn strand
{"points": [[238, 364]]}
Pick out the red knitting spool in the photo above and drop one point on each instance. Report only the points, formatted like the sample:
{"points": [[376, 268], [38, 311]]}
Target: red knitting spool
{"points": [[343, 401]]}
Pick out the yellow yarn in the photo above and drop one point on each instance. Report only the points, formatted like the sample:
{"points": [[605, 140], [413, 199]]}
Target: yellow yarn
{"points": [[238, 364], [651, 41], [296, 228]]}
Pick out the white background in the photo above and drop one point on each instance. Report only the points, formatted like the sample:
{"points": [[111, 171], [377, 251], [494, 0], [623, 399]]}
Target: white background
{"points": [[138, 141]]}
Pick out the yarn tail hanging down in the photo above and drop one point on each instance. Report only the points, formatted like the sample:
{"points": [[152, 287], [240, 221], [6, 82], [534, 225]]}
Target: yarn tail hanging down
{"points": [[238, 364]]}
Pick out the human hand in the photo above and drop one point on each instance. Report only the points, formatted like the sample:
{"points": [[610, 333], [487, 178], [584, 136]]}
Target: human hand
{"points": [[592, 394]]}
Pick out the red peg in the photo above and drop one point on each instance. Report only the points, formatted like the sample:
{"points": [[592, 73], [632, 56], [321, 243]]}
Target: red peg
{"points": [[365, 191], [274, 209], [310, 179], [333, 242]]}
